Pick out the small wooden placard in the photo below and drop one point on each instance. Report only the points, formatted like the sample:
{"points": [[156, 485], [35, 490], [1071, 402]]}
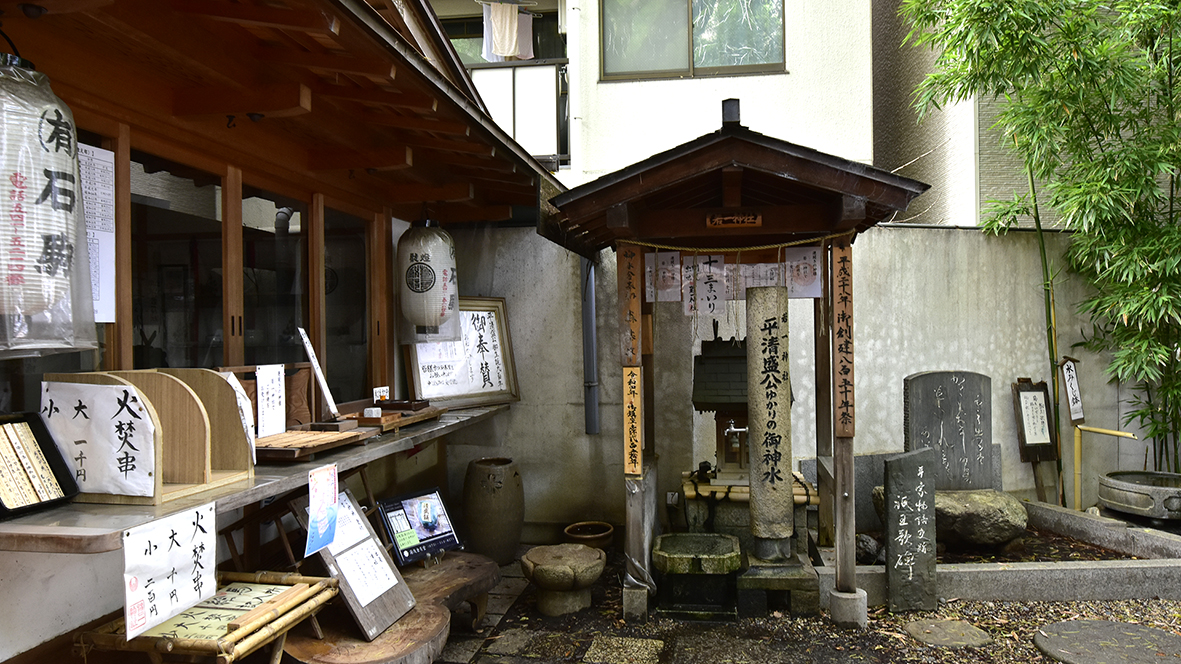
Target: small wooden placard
{"points": [[1035, 433], [723, 221], [633, 420]]}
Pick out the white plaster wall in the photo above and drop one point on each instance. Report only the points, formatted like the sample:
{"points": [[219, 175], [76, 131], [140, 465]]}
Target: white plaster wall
{"points": [[822, 102], [50, 594]]}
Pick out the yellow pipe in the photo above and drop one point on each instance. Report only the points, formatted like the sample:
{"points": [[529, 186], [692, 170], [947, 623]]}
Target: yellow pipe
{"points": [[1078, 457], [1107, 432], [1078, 469]]}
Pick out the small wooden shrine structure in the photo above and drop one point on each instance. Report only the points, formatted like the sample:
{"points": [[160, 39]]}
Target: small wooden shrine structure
{"points": [[745, 195]]}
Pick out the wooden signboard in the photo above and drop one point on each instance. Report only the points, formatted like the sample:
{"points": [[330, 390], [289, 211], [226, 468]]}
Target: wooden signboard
{"points": [[371, 585], [844, 413], [1035, 435], [633, 420], [631, 271], [477, 370]]}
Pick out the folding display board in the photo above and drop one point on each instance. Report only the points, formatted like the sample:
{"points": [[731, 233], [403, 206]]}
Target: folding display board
{"points": [[370, 583]]}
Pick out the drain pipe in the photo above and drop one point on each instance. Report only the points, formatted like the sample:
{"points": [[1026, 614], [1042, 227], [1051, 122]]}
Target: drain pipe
{"points": [[590, 355]]}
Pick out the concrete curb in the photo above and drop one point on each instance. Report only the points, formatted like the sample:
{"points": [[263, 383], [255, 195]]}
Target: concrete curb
{"points": [[1158, 574]]}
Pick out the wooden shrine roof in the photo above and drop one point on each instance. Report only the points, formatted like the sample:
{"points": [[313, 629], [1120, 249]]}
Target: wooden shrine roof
{"points": [[364, 101], [797, 192]]}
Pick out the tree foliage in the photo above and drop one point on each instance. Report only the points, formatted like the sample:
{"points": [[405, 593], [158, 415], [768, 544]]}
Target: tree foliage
{"points": [[1088, 98]]}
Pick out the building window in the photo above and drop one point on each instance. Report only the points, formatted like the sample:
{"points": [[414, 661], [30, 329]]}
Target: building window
{"points": [[647, 39]]}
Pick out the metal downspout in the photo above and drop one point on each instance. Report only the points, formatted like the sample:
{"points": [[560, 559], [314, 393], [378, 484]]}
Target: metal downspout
{"points": [[590, 355]]}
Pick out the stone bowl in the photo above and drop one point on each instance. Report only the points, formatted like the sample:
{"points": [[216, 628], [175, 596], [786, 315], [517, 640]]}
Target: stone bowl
{"points": [[595, 534], [1146, 493], [696, 553]]}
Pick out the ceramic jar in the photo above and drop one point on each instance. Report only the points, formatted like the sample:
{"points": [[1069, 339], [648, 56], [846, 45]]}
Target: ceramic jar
{"points": [[494, 508]]}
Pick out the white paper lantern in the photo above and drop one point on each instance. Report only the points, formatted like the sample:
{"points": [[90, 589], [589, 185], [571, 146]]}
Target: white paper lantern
{"points": [[40, 194], [428, 284]]}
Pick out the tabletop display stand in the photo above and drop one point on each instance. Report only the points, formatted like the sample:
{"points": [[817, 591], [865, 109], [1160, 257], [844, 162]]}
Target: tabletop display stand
{"points": [[227, 632], [183, 404]]}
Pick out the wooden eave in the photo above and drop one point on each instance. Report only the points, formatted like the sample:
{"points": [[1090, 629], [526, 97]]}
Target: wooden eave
{"points": [[344, 104], [799, 193]]}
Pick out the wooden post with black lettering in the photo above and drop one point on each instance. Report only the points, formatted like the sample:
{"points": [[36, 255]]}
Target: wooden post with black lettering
{"points": [[843, 415], [630, 264]]}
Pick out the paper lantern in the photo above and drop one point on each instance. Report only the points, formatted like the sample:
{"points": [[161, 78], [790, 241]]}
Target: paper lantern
{"points": [[41, 199], [428, 285]]}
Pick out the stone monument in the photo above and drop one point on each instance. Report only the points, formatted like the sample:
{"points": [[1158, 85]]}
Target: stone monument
{"points": [[780, 571], [910, 532], [951, 412]]}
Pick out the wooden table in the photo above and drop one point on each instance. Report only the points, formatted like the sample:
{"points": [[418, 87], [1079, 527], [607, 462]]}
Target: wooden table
{"points": [[420, 635]]}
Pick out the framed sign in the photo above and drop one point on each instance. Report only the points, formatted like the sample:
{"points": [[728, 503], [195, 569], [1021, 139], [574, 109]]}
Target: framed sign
{"points": [[1035, 433], [476, 370]]}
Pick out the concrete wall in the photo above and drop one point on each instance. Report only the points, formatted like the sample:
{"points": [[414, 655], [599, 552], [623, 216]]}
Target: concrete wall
{"points": [[822, 101], [926, 298]]}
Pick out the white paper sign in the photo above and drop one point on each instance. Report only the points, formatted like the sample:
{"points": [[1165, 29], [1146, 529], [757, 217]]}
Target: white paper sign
{"points": [[471, 366], [320, 379], [245, 409], [1074, 396], [367, 571], [271, 392], [97, 167], [350, 529], [705, 285], [168, 566], [105, 435], [1033, 415]]}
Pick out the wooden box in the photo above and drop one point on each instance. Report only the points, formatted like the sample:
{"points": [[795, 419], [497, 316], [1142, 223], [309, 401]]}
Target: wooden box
{"points": [[199, 443], [40, 455]]}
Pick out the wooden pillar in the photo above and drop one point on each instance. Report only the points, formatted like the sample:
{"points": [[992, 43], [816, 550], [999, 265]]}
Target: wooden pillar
{"points": [[317, 325], [232, 307], [843, 415], [822, 346], [120, 340], [629, 262], [379, 244]]}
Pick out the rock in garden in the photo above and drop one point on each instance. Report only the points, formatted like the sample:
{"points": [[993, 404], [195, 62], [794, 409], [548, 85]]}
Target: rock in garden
{"points": [[867, 549], [983, 517]]}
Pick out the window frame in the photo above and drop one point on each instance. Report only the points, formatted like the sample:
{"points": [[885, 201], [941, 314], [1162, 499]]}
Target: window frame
{"points": [[692, 71]]}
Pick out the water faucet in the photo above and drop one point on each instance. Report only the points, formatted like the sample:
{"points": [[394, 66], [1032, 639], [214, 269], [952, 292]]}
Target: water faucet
{"points": [[731, 429]]}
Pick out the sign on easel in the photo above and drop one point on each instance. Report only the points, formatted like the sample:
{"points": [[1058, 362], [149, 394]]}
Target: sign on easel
{"points": [[168, 566], [320, 379]]}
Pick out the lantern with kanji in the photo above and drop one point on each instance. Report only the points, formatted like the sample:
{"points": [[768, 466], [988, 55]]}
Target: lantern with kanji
{"points": [[428, 284], [40, 196]]}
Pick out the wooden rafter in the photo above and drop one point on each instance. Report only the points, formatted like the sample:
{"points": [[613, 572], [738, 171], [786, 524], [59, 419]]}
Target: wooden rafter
{"points": [[367, 67], [280, 100], [269, 17]]}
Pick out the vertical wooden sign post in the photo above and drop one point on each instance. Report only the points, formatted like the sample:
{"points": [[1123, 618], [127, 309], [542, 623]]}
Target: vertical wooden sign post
{"points": [[844, 419], [630, 266], [633, 420]]}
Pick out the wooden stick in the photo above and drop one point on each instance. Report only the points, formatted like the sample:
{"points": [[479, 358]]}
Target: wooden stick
{"points": [[270, 607]]}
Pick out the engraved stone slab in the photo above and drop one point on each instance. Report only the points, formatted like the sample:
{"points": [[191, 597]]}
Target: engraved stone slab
{"points": [[951, 412], [772, 500], [910, 532]]}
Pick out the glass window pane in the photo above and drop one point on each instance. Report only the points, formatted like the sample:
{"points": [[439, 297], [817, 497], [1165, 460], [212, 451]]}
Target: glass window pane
{"points": [[274, 260], [175, 264], [345, 307], [645, 36], [735, 33]]}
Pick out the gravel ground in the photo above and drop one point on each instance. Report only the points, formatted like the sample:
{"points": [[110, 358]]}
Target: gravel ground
{"points": [[780, 638]]}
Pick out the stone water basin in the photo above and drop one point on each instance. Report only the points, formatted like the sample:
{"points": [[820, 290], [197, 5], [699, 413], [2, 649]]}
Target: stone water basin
{"points": [[696, 553], [1146, 493]]}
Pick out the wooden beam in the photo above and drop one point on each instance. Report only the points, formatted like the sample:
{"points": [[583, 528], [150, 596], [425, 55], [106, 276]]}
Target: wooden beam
{"points": [[471, 163], [391, 159], [417, 101], [732, 186], [465, 147], [378, 245], [312, 22], [412, 193], [470, 213], [374, 67], [273, 101], [417, 123], [630, 262]]}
